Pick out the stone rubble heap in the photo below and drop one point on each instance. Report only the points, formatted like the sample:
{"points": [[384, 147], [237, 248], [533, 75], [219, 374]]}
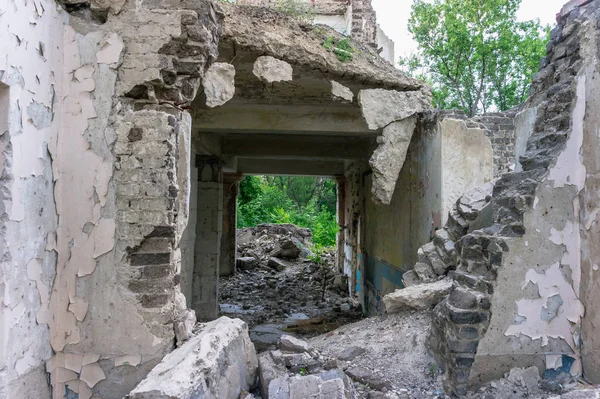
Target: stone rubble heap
{"points": [[271, 289], [439, 256]]}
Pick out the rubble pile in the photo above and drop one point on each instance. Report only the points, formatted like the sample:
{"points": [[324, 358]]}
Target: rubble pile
{"points": [[282, 286]]}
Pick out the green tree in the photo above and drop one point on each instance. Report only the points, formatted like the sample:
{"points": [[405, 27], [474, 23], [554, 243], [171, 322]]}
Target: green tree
{"points": [[474, 53]]}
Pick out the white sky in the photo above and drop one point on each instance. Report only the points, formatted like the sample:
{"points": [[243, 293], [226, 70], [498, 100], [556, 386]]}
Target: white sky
{"points": [[393, 15]]}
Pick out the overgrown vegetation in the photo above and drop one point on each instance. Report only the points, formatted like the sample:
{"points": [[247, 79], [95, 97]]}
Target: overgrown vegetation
{"points": [[299, 9], [341, 48], [304, 201], [476, 55]]}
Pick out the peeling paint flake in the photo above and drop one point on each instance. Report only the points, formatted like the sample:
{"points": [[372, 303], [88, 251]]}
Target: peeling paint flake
{"points": [[538, 324], [110, 52]]}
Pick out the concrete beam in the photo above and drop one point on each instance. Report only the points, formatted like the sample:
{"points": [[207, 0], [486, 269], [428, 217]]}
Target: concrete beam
{"points": [[326, 118], [291, 146], [289, 167]]}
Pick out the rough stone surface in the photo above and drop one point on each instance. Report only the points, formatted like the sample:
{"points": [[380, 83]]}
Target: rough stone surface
{"points": [[388, 158], [351, 352], [293, 344], [246, 263], [326, 385], [341, 92], [270, 69], [276, 264], [218, 362], [289, 40], [419, 297], [381, 107], [219, 84], [268, 371]]}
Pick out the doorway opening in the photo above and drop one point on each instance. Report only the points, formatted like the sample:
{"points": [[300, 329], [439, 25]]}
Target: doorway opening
{"points": [[286, 277]]}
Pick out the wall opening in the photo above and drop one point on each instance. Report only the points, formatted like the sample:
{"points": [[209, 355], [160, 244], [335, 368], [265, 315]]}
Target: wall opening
{"points": [[285, 276]]}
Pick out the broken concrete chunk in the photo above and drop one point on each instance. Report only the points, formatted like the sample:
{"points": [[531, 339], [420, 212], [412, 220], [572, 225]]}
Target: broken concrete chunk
{"points": [[276, 264], [289, 248], [268, 371], [293, 344], [410, 278], [219, 84], [184, 326], [341, 92], [367, 377], [246, 263], [327, 384], [218, 362], [270, 69], [381, 107], [418, 297], [388, 159], [351, 353], [425, 272]]}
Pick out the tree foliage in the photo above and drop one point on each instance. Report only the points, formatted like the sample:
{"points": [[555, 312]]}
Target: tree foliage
{"points": [[304, 201], [474, 53]]}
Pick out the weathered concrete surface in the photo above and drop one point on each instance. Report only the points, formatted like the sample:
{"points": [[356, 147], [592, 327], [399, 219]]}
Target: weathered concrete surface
{"points": [[218, 362], [31, 94], [382, 107], [467, 159], [389, 157], [545, 281], [414, 212], [287, 39], [270, 69], [341, 92], [419, 297], [524, 124], [219, 84], [328, 384]]}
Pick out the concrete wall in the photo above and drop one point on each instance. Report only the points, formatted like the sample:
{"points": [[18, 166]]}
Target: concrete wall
{"points": [[388, 52], [543, 310], [467, 161], [31, 93], [394, 232]]}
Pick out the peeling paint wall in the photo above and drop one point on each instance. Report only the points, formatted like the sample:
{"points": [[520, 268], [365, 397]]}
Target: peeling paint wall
{"points": [[30, 106], [545, 297]]}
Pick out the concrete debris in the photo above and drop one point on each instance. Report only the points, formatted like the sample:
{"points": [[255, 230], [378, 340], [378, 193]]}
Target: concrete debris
{"points": [[276, 264], [293, 344], [295, 295], [341, 92], [268, 371], [218, 362], [419, 297], [184, 326], [289, 248], [246, 263], [219, 84], [326, 385], [270, 69], [388, 159], [296, 370], [351, 352], [381, 107]]}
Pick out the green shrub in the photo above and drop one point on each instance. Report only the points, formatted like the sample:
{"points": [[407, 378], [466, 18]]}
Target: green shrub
{"points": [[305, 202]]}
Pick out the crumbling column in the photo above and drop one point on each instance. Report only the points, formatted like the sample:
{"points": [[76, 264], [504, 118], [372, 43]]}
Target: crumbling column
{"points": [[228, 238], [207, 248], [341, 220]]}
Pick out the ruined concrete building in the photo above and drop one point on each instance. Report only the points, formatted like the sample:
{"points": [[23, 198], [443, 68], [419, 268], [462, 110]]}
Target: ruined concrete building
{"points": [[125, 126]]}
